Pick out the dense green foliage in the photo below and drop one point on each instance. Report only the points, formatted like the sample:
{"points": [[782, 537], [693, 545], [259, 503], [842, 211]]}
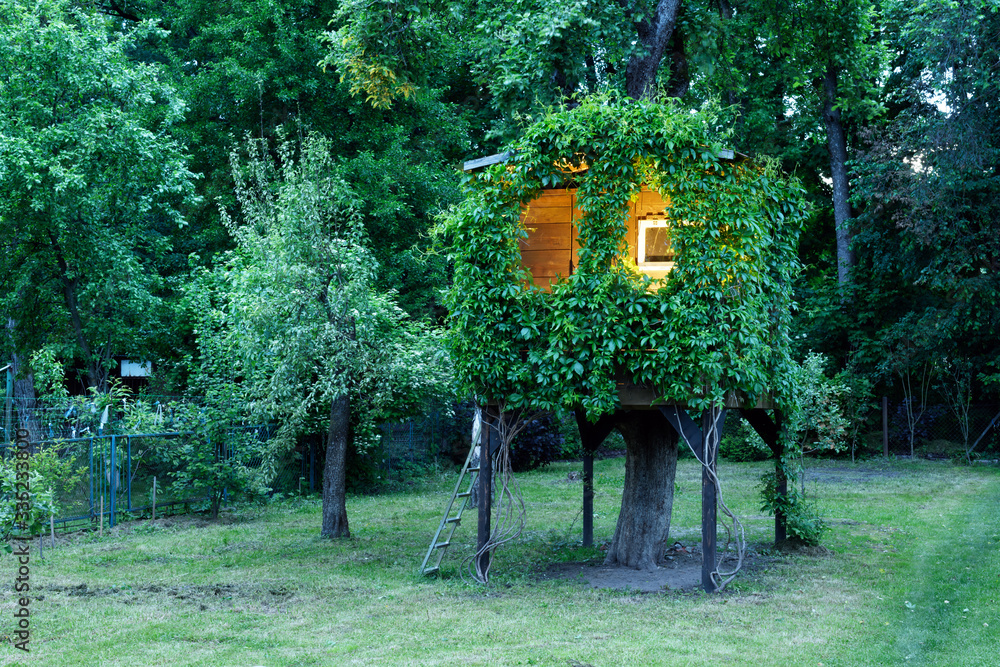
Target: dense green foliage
{"points": [[94, 186], [118, 121], [719, 325]]}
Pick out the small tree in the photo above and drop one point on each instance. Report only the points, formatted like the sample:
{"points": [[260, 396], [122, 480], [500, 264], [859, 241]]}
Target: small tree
{"points": [[909, 348], [955, 385], [292, 316], [817, 420]]}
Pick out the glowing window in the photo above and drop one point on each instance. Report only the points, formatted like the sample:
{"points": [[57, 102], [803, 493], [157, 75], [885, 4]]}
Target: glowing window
{"points": [[655, 251]]}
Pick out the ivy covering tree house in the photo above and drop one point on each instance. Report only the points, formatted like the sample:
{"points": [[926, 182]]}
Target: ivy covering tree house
{"points": [[606, 339]]}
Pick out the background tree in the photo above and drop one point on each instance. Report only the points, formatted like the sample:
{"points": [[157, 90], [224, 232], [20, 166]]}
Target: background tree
{"points": [[929, 238], [93, 183]]}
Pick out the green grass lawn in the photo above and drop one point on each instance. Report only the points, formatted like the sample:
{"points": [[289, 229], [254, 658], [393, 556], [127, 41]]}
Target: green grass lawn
{"points": [[912, 577]]}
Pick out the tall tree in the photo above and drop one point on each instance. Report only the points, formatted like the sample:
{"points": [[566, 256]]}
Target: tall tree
{"points": [[525, 53], [93, 183], [833, 59], [929, 182]]}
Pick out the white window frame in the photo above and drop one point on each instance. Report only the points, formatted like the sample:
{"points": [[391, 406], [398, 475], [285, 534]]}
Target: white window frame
{"points": [[641, 249]]}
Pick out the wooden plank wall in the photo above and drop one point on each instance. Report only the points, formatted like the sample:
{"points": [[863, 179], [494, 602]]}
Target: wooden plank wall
{"points": [[549, 252]]}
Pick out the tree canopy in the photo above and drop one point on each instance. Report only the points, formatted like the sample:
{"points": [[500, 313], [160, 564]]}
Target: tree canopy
{"points": [[95, 186]]}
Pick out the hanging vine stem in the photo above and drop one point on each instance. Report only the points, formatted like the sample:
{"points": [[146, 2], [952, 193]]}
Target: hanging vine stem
{"points": [[509, 513], [720, 578]]}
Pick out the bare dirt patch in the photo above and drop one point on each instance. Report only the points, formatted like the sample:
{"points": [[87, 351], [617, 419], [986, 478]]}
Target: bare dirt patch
{"points": [[679, 571]]}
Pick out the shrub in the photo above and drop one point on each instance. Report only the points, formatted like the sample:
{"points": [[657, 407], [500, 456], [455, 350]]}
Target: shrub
{"points": [[40, 497], [803, 523], [539, 443], [740, 443], [572, 446]]}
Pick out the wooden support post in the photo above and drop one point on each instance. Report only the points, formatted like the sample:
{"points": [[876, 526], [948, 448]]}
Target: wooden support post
{"points": [[708, 439], [780, 521], [770, 432], [486, 439], [592, 435], [709, 519], [885, 426]]}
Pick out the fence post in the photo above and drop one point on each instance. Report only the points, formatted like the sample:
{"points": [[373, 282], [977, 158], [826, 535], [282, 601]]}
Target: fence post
{"points": [[128, 473], [312, 466], [91, 453], [8, 405], [113, 481], [885, 426], [388, 451]]}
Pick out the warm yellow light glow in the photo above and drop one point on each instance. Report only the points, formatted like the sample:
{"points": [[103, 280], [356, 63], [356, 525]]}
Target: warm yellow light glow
{"points": [[654, 252]]}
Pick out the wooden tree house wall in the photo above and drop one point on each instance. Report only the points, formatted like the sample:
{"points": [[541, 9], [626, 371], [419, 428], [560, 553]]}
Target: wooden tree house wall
{"points": [[549, 253]]}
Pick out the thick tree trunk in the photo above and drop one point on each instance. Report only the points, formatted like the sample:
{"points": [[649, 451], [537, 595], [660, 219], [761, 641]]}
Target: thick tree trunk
{"points": [[70, 287], [335, 471], [837, 141], [648, 497], [680, 74], [654, 35]]}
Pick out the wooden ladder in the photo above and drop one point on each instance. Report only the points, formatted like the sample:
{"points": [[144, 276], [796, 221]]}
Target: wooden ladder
{"points": [[449, 523]]}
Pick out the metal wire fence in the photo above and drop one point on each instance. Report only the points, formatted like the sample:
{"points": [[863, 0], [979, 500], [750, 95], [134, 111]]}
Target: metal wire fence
{"points": [[938, 432], [113, 461], [106, 479]]}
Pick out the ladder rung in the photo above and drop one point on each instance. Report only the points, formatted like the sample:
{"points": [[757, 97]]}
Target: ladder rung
{"points": [[463, 495], [432, 570], [476, 469], [442, 545], [454, 519]]}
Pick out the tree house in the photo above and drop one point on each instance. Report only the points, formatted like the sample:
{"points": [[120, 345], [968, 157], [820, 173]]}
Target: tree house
{"points": [[550, 253]]}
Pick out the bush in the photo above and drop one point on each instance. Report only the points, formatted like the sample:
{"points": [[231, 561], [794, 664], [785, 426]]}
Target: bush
{"points": [[740, 443], [572, 446], [40, 498], [539, 443], [803, 523]]}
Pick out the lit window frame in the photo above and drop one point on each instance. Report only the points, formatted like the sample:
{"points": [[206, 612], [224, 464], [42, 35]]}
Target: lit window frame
{"points": [[643, 225]]}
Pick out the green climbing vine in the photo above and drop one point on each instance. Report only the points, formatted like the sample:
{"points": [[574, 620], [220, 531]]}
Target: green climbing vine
{"points": [[719, 324]]}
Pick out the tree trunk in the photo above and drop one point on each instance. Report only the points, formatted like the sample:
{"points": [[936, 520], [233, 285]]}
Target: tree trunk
{"points": [[654, 36], [648, 497], [837, 141], [70, 287], [335, 471], [680, 74]]}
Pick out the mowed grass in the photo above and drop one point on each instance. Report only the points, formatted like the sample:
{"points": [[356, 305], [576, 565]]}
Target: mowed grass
{"points": [[912, 577]]}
